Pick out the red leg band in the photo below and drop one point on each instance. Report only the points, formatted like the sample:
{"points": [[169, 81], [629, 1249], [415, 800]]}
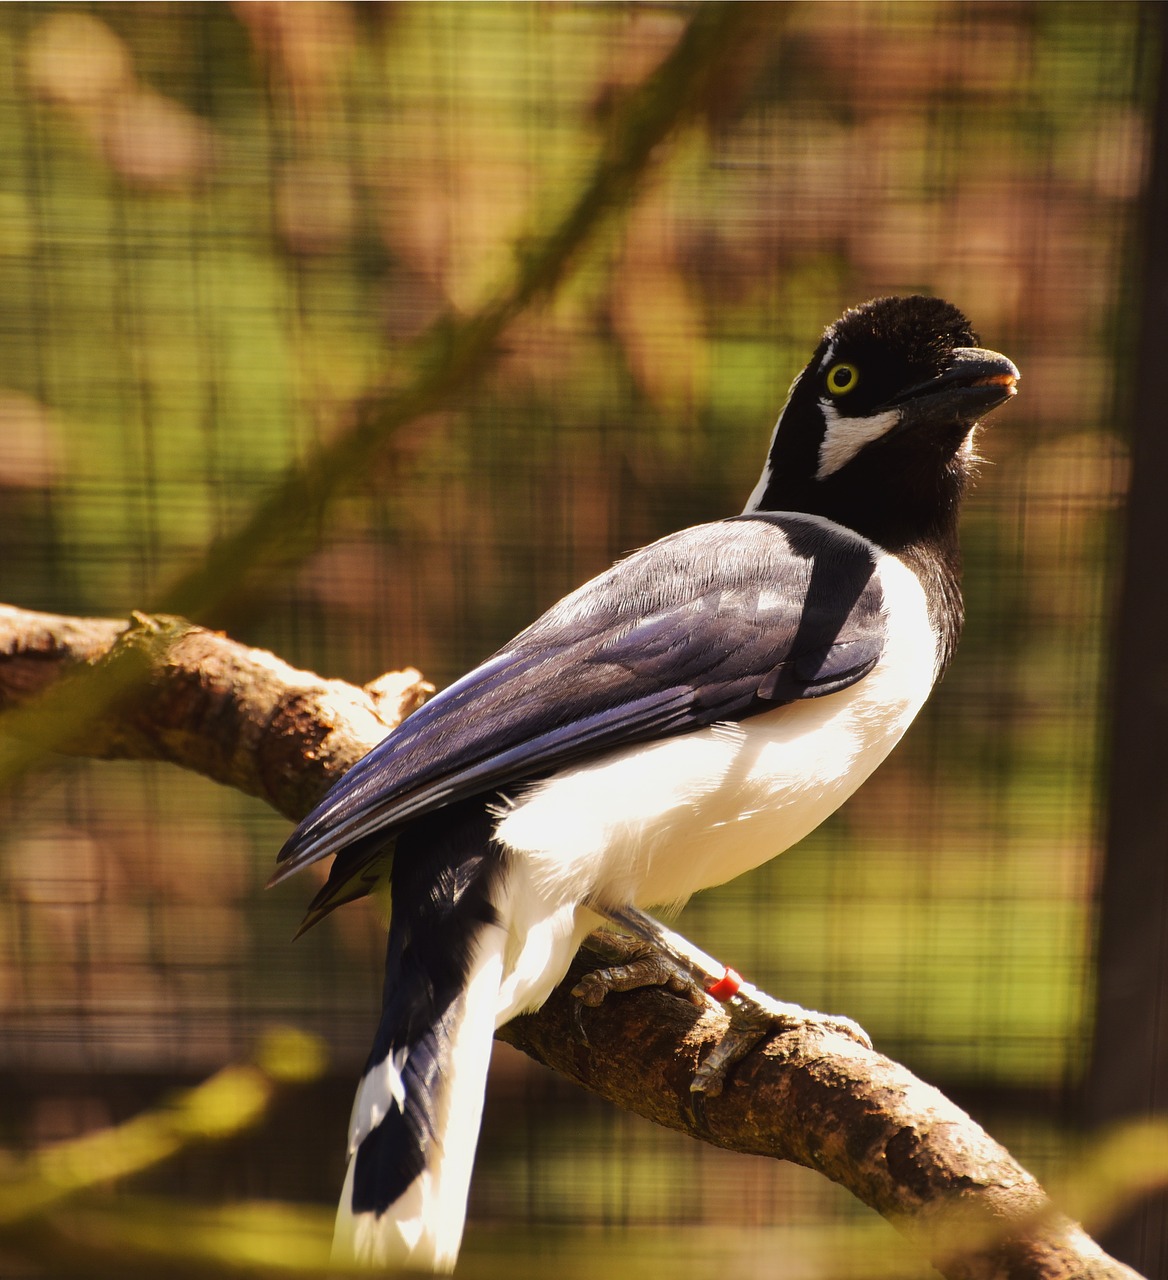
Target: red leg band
{"points": [[726, 986]]}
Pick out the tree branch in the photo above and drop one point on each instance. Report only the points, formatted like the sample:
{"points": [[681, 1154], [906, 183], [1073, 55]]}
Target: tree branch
{"points": [[191, 697], [245, 718]]}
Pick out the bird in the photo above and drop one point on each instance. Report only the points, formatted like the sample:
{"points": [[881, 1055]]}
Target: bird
{"points": [[686, 715]]}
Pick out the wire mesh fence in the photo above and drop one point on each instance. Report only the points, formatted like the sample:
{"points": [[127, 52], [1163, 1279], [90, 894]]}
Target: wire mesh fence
{"points": [[228, 232]]}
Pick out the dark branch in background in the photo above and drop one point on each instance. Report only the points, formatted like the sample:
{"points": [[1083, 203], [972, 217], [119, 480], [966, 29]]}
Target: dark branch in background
{"points": [[249, 720], [703, 73]]}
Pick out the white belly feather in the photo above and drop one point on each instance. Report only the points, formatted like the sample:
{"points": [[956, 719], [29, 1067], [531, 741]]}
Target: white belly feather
{"points": [[653, 824]]}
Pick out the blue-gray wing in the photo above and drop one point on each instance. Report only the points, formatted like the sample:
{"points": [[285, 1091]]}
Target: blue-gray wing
{"points": [[716, 623]]}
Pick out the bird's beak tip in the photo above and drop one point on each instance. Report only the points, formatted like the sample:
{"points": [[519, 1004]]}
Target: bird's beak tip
{"points": [[1008, 381]]}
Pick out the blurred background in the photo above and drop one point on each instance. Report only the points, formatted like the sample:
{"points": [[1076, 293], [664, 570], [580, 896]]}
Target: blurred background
{"points": [[231, 235]]}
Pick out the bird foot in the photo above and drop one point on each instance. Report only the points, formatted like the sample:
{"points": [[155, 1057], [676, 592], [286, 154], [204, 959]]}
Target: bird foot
{"points": [[640, 965], [753, 1017], [656, 956]]}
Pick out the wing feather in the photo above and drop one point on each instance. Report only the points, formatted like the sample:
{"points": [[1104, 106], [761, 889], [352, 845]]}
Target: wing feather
{"points": [[716, 623]]}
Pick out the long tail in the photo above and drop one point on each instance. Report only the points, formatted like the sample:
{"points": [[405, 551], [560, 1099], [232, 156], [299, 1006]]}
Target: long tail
{"points": [[416, 1117]]}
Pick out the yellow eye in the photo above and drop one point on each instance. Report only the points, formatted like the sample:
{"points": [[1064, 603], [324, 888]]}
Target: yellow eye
{"points": [[842, 378]]}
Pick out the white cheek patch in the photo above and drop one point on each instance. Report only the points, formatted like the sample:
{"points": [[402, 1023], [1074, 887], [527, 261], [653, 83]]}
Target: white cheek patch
{"points": [[844, 437]]}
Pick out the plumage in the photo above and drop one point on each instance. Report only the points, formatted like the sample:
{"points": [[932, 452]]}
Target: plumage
{"points": [[683, 717], [682, 634]]}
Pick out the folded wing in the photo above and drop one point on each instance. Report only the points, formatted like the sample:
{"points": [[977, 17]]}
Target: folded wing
{"points": [[716, 623]]}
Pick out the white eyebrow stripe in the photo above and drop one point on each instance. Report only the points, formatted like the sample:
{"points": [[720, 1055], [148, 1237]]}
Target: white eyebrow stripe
{"points": [[844, 437]]}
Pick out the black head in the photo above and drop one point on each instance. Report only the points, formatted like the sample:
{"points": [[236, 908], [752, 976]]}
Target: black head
{"points": [[877, 431]]}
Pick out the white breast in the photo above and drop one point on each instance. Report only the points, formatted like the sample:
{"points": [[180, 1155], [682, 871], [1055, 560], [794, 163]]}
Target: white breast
{"points": [[652, 824]]}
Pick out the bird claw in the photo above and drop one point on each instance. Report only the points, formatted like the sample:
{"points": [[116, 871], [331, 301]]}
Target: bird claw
{"points": [[753, 1017], [655, 956], [578, 1021], [641, 965], [735, 1043]]}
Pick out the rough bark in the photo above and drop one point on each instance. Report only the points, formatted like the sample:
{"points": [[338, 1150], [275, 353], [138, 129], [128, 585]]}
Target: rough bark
{"points": [[824, 1101], [158, 688], [161, 689]]}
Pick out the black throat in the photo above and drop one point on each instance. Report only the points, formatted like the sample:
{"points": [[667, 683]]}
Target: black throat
{"points": [[906, 502]]}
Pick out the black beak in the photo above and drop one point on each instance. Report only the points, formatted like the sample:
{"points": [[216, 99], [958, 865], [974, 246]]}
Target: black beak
{"points": [[974, 382]]}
